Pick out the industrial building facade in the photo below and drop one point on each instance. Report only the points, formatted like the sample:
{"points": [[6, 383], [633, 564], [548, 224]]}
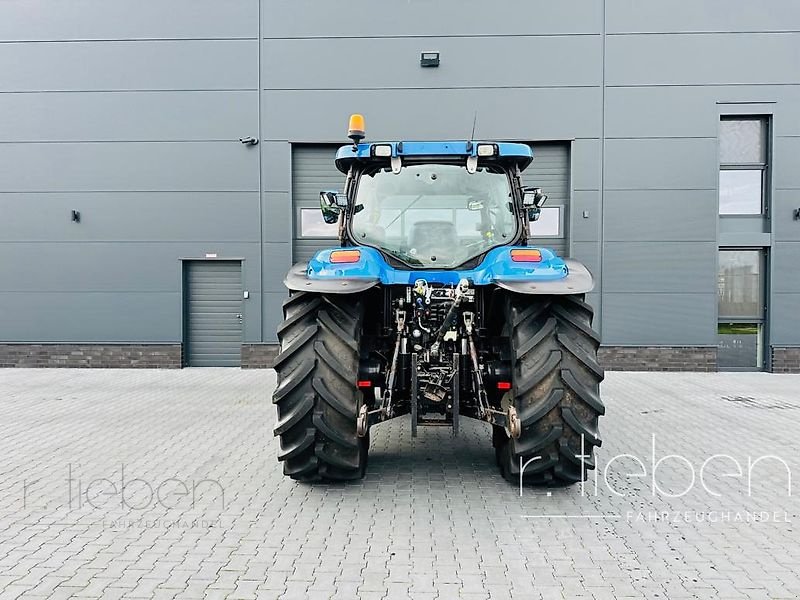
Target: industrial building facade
{"points": [[160, 163]]}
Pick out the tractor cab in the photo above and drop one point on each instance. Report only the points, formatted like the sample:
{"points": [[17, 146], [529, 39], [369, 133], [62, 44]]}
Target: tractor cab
{"points": [[432, 205]]}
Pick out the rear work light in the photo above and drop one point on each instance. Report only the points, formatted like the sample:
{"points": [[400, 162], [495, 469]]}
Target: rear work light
{"points": [[382, 150], [345, 256], [487, 149], [526, 255]]}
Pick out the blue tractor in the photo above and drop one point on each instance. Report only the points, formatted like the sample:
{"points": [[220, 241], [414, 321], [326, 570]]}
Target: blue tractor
{"points": [[434, 307]]}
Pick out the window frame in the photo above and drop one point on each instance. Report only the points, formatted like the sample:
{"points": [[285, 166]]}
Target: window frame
{"points": [[762, 266], [761, 342], [761, 322], [300, 222], [766, 128], [560, 235]]}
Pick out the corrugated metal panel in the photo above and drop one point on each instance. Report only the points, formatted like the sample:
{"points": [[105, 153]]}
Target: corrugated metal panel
{"points": [[624, 16], [213, 308], [440, 18], [651, 216], [295, 64], [129, 19], [128, 166], [659, 319], [785, 318], [550, 171], [90, 317], [631, 164], [131, 116], [662, 267], [82, 66], [703, 58], [560, 113], [313, 170]]}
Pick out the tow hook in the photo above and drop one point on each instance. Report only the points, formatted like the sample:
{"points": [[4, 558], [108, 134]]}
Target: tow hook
{"points": [[514, 426]]}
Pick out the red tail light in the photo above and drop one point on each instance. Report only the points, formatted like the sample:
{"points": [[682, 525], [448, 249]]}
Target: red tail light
{"points": [[345, 256], [526, 255], [364, 383], [503, 385]]}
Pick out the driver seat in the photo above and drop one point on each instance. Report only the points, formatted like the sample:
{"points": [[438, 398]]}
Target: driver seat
{"points": [[437, 234]]}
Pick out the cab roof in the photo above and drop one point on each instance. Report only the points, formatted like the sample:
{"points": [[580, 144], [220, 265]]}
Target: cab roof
{"points": [[505, 153]]}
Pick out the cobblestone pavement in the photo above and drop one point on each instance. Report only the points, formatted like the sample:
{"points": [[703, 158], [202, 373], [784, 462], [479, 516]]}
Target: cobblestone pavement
{"points": [[164, 484]]}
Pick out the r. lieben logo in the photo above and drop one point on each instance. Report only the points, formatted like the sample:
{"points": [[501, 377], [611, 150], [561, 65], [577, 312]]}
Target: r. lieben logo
{"points": [[131, 493], [674, 476]]}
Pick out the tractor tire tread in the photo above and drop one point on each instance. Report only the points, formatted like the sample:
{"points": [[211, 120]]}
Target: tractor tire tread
{"points": [[317, 397], [556, 381]]}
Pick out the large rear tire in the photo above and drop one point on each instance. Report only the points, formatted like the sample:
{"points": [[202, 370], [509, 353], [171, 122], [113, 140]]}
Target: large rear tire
{"points": [[317, 397], [555, 390]]}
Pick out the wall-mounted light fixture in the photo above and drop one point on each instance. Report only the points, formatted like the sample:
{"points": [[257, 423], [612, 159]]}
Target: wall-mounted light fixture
{"points": [[76, 216], [429, 59]]}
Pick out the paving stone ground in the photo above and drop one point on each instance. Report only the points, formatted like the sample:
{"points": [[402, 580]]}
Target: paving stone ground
{"points": [[164, 484]]}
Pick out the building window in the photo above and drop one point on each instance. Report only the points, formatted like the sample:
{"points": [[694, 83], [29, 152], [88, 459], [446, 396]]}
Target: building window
{"points": [[548, 224], [313, 225], [740, 288], [743, 144]]}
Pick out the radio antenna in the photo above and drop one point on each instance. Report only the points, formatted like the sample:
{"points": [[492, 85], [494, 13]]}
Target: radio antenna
{"points": [[474, 123]]}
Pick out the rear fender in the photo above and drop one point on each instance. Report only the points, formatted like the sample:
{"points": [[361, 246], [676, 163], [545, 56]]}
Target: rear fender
{"points": [[298, 280], [578, 281], [550, 275]]}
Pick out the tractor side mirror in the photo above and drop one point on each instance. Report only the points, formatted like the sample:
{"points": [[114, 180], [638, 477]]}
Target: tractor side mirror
{"points": [[331, 205]]}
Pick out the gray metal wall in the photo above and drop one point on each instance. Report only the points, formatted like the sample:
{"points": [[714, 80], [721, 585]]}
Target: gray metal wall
{"points": [[130, 112]]}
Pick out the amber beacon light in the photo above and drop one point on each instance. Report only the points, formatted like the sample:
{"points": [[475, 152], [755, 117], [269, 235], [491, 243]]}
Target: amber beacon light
{"points": [[356, 130]]}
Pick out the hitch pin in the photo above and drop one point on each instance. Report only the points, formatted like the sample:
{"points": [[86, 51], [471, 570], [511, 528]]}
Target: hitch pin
{"points": [[468, 321]]}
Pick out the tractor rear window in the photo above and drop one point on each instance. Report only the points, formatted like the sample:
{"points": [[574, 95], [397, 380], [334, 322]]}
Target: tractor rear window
{"points": [[434, 215]]}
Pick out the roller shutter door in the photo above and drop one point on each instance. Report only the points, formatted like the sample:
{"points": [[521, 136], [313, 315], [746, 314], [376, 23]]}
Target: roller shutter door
{"points": [[313, 171], [213, 313], [550, 171]]}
